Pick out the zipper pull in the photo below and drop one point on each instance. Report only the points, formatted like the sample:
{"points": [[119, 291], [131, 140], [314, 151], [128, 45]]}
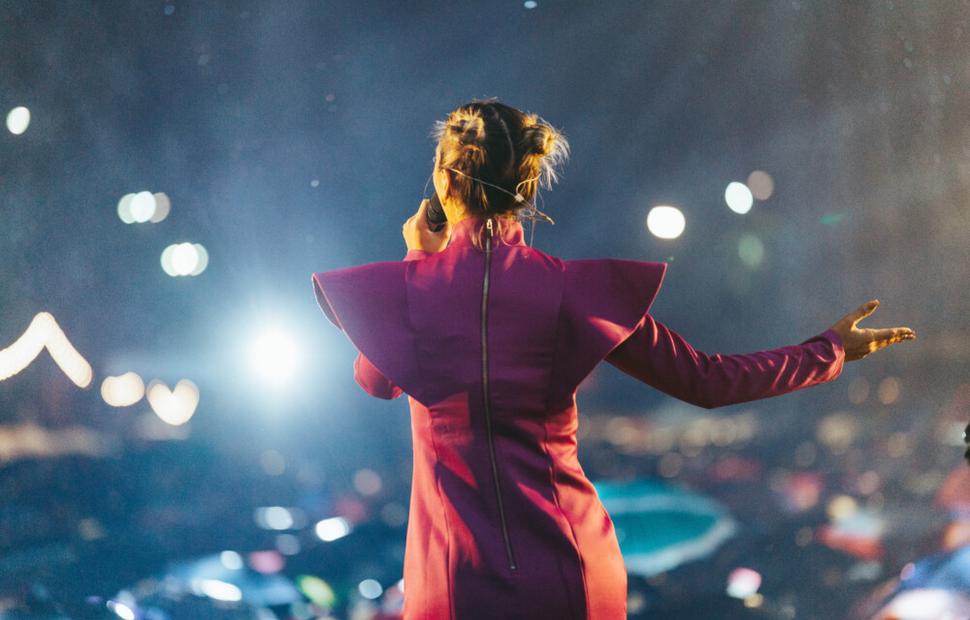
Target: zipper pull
{"points": [[488, 225]]}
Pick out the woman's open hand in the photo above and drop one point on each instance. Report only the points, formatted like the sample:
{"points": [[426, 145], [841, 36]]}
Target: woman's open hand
{"points": [[417, 235], [859, 343]]}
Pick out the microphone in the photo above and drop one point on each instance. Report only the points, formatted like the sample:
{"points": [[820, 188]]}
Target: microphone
{"points": [[435, 214]]}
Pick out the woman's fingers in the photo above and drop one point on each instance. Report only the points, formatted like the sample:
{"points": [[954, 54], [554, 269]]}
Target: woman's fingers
{"points": [[881, 338], [864, 310]]}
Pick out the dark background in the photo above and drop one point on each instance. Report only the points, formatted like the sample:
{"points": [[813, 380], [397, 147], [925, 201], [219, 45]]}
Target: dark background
{"points": [[293, 137]]}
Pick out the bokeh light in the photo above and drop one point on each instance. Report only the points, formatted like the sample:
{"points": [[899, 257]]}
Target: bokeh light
{"points": [[738, 197], [858, 390], [184, 259], [751, 250], [18, 119], [317, 590], [142, 207], [761, 184], [888, 390], [231, 560], [370, 588], [162, 207], [121, 610], [332, 529], [42, 332], [367, 482], [666, 222], [123, 391], [743, 582], [220, 590], [174, 407]]}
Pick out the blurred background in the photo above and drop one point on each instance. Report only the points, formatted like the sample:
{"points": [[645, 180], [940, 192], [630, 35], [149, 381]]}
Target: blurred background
{"points": [[180, 432]]}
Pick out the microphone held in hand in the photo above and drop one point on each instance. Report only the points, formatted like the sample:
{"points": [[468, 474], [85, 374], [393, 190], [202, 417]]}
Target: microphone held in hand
{"points": [[435, 214]]}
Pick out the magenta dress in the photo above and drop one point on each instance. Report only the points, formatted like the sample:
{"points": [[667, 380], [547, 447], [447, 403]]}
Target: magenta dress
{"points": [[490, 347]]}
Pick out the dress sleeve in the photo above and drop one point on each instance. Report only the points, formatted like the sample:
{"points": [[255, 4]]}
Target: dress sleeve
{"points": [[367, 376], [661, 358]]}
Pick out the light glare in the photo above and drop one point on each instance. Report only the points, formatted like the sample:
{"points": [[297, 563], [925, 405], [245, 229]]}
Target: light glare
{"points": [[666, 222], [370, 588], [18, 119], [142, 207], [274, 356], [738, 197], [332, 529]]}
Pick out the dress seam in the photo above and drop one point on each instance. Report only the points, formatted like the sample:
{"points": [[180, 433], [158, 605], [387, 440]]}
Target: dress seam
{"points": [[572, 533], [444, 513]]}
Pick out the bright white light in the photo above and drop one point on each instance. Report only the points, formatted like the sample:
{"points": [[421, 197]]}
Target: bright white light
{"points": [[274, 356], [124, 209], [44, 331], [202, 260], [174, 407], [331, 529], [220, 590], [927, 604], [121, 610], [18, 119], [231, 560], [370, 588], [738, 197], [123, 391], [530, 4], [167, 260], [142, 207], [666, 222], [185, 258]]}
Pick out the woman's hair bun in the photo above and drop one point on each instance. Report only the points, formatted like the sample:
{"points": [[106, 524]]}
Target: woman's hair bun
{"points": [[544, 147], [469, 129], [537, 139]]}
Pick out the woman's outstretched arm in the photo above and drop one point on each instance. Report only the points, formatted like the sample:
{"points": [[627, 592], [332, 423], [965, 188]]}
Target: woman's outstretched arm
{"points": [[661, 358]]}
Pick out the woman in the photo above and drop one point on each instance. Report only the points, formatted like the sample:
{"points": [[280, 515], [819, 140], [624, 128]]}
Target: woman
{"points": [[490, 339]]}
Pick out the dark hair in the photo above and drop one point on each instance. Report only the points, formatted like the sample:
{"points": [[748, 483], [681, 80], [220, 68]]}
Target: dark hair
{"points": [[499, 144]]}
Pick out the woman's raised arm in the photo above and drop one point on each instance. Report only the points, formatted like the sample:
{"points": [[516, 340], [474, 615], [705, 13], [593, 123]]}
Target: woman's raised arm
{"points": [[661, 358]]}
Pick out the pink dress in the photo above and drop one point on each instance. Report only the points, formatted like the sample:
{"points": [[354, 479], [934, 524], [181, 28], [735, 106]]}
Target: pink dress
{"points": [[490, 347]]}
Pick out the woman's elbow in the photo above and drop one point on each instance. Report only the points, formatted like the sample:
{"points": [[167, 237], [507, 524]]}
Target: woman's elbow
{"points": [[384, 390]]}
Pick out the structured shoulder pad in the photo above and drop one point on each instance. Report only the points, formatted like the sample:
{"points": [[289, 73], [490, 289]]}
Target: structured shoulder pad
{"points": [[369, 303], [603, 302]]}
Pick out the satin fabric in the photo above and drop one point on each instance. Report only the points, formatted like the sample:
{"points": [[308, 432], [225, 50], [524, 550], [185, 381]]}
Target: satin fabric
{"points": [[417, 326]]}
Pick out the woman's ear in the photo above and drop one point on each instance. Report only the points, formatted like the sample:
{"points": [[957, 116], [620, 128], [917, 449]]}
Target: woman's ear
{"points": [[441, 181], [446, 180]]}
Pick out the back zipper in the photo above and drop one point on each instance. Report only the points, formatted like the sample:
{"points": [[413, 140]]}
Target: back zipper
{"points": [[488, 414]]}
